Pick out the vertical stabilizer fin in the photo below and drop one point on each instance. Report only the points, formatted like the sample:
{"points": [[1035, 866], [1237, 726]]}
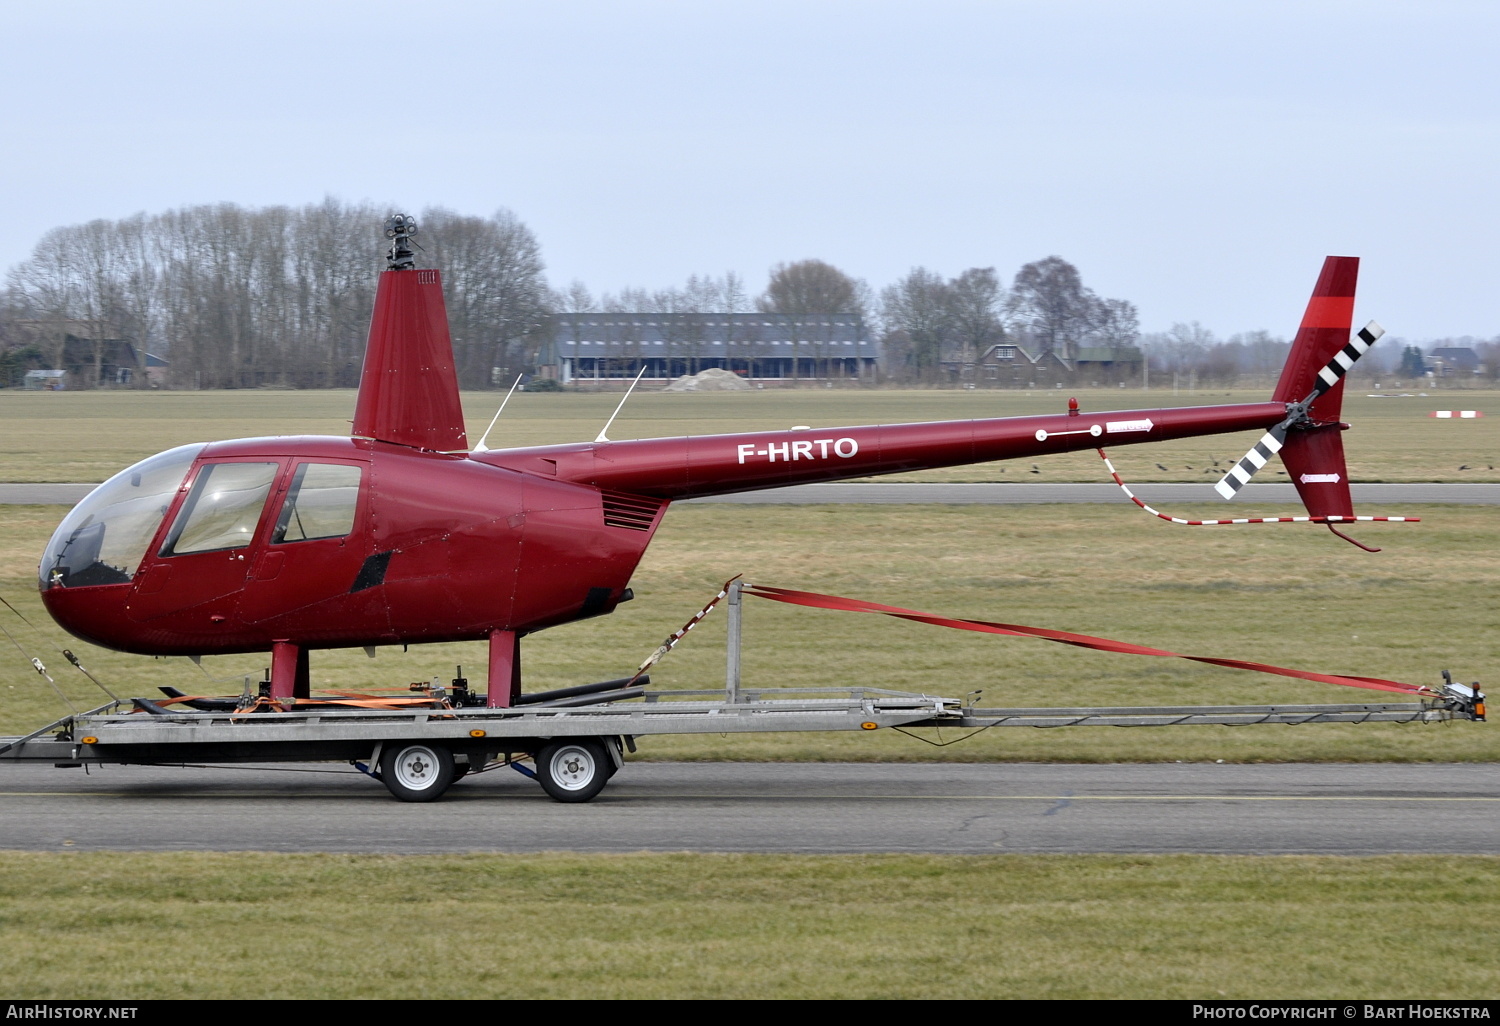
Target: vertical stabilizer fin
{"points": [[408, 391], [1324, 331]]}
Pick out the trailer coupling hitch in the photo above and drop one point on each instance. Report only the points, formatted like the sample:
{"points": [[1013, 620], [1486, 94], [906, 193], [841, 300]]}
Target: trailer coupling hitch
{"points": [[1464, 699]]}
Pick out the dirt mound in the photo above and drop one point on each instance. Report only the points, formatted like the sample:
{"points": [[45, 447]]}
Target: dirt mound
{"points": [[711, 380]]}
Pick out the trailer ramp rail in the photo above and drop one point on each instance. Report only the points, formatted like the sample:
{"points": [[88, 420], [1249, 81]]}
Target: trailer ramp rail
{"points": [[1428, 711], [110, 735]]}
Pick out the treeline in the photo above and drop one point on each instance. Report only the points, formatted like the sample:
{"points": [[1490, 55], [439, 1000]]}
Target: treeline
{"points": [[233, 297], [237, 298], [1190, 355], [931, 328]]}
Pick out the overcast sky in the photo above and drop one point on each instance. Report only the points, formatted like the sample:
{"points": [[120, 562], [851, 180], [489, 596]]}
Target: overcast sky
{"points": [[1197, 158]]}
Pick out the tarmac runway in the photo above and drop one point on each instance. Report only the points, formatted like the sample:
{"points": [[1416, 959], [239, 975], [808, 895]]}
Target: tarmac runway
{"points": [[986, 494], [1347, 809]]}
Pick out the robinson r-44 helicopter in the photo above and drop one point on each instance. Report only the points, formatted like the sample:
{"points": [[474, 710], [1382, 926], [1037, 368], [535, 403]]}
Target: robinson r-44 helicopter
{"points": [[401, 534]]}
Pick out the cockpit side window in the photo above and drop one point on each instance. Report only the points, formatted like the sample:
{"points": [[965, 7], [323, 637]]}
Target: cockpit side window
{"points": [[223, 508], [319, 504]]}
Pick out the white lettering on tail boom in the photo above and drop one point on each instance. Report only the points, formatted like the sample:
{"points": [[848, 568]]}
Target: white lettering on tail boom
{"points": [[1114, 427], [802, 449]]}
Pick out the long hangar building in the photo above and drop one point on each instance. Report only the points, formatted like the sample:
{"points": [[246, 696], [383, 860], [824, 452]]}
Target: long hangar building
{"points": [[753, 345]]}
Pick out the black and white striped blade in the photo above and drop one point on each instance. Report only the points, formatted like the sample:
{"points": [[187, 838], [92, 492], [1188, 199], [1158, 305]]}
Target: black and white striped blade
{"points": [[1259, 455], [1358, 346], [1271, 442]]}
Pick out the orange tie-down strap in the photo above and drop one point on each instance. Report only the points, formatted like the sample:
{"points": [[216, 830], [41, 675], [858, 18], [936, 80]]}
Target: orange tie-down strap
{"points": [[816, 601]]}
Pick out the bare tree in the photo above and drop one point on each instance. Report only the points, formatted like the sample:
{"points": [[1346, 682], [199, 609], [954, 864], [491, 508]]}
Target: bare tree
{"points": [[694, 305], [1258, 354], [733, 298], [812, 287], [1180, 351], [918, 316], [575, 299], [497, 295], [701, 294], [1117, 324], [1050, 300], [240, 297], [333, 260], [976, 299], [47, 290]]}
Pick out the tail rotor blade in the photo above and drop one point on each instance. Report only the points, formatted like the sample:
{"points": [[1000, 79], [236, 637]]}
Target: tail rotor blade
{"points": [[1271, 442], [1259, 455], [1336, 368]]}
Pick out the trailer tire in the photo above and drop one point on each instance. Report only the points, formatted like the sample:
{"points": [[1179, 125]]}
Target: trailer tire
{"points": [[573, 771], [416, 772]]}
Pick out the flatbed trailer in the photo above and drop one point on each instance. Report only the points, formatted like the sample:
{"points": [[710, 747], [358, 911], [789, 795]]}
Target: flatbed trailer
{"points": [[577, 737], [417, 753]]}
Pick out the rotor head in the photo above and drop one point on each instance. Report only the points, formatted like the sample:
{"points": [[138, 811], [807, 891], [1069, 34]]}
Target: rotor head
{"points": [[399, 228]]}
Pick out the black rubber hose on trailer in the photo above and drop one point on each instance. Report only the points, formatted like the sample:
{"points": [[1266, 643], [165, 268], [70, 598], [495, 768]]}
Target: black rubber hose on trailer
{"points": [[581, 689], [594, 699]]}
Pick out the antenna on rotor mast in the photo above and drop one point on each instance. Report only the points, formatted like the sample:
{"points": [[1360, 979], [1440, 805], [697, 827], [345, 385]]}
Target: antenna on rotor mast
{"points": [[399, 228]]}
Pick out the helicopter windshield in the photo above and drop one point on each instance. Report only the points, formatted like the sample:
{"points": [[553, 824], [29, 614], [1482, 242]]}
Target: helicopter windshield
{"points": [[105, 537]]}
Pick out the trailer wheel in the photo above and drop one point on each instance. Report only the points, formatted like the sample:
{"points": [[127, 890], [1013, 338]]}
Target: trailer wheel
{"points": [[417, 773], [573, 771]]}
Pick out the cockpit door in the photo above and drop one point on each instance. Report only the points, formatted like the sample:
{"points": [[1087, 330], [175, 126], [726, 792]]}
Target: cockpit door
{"points": [[302, 577], [202, 564]]}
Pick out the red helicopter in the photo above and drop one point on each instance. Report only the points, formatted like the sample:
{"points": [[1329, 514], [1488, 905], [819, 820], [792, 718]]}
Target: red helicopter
{"points": [[402, 534]]}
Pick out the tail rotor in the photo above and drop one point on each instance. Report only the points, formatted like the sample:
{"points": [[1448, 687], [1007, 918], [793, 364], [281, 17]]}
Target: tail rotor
{"points": [[1274, 440]]}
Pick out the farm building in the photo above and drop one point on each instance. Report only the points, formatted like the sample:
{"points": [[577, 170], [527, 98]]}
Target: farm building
{"points": [[587, 347]]}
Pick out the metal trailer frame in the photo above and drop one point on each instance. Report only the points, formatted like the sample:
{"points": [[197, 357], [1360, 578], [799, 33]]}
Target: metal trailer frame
{"points": [[578, 742]]}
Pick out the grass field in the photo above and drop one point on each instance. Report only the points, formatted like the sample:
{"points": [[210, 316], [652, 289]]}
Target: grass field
{"points": [[87, 436], [1291, 595], [187, 924]]}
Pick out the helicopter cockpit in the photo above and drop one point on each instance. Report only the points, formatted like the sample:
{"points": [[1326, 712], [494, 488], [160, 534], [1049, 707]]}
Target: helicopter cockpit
{"points": [[105, 537]]}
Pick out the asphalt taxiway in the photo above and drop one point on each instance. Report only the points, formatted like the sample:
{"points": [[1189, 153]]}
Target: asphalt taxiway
{"points": [[1346, 809]]}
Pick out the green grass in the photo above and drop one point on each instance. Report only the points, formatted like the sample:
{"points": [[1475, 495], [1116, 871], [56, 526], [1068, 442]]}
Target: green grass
{"points": [[195, 925], [87, 436], [1290, 595]]}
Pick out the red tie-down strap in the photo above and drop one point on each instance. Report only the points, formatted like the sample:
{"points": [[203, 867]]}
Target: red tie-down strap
{"points": [[816, 601]]}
